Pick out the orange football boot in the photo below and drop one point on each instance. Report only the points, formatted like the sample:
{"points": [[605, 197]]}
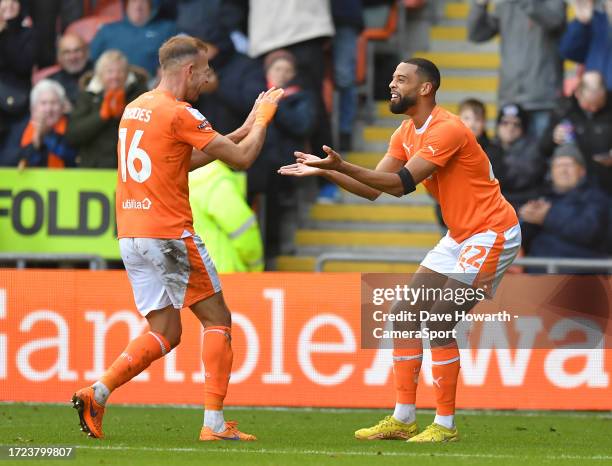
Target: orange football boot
{"points": [[90, 412], [231, 432]]}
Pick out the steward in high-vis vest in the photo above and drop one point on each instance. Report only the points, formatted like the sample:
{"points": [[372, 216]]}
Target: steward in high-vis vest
{"points": [[224, 220]]}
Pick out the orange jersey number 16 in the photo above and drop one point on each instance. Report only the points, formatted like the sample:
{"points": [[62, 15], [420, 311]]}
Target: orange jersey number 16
{"points": [[135, 153]]}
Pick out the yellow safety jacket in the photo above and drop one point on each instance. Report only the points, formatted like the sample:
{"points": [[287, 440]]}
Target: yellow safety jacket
{"points": [[224, 220]]}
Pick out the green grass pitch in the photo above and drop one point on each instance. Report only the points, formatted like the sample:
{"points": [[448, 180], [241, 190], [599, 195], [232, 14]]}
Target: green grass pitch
{"points": [[168, 436]]}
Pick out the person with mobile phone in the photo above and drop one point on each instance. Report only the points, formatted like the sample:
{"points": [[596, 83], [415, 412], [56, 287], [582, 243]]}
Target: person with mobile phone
{"points": [[585, 119]]}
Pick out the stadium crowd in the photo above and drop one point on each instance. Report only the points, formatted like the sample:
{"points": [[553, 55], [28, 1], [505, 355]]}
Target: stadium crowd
{"points": [[551, 153]]}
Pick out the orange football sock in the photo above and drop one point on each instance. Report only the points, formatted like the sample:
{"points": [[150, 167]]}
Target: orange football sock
{"points": [[406, 368], [445, 372], [218, 357], [138, 355]]}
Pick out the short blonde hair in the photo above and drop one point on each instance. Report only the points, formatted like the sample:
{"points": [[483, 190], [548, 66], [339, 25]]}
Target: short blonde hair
{"points": [[110, 56], [178, 48]]}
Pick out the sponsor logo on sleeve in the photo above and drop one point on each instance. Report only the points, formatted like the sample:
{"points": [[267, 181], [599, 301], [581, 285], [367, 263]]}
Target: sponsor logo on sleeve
{"points": [[204, 123]]}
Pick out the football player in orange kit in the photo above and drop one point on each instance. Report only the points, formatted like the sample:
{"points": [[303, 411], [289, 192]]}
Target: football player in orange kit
{"points": [[435, 148], [162, 137]]}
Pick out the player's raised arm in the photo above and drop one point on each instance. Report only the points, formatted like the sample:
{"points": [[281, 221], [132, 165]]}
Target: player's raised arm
{"points": [[242, 155]]}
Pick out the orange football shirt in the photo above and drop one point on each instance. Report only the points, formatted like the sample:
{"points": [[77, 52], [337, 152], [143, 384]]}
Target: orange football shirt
{"points": [[463, 183], [157, 134]]}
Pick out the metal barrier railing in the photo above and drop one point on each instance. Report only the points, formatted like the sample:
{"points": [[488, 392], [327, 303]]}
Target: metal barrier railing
{"points": [[20, 259], [552, 265]]}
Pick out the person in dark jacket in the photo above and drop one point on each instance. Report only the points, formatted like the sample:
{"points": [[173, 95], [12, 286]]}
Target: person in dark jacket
{"points": [[587, 38], [572, 220], [292, 125], [16, 62], [473, 114], [46, 16], [296, 113], [515, 157], [94, 122], [585, 119], [348, 21], [73, 58], [139, 35], [239, 80]]}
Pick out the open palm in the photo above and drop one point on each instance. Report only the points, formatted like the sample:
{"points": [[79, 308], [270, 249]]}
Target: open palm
{"points": [[299, 170], [331, 162]]}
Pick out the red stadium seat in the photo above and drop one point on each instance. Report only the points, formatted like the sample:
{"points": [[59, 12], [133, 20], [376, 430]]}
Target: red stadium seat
{"points": [[97, 8], [414, 3], [373, 34], [113, 9], [88, 27], [41, 74]]}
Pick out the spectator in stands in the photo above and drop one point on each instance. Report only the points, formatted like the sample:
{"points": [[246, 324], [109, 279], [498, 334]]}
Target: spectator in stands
{"points": [[348, 22], [473, 114], [46, 16], [73, 58], [94, 122], [16, 61], [43, 143], [587, 38], [531, 69], [296, 113], [240, 79], [585, 119], [304, 28], [293, 123], [224, 220], [193, 15], [516, 160], [572, 220], [139, 35]]}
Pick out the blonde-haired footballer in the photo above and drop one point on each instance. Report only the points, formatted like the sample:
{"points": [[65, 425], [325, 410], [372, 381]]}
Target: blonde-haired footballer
{"points": [[161, 137]]}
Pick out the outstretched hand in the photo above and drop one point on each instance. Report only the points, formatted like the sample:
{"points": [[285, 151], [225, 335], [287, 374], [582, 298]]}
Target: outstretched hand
{"points": [[333, 161], [299, 169]]}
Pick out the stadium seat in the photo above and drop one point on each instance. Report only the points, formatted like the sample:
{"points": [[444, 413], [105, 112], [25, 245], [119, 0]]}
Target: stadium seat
{"points": [[97, 7], [414, 3], [88, 27], [41, 74], [371, 34], [112, 9]]}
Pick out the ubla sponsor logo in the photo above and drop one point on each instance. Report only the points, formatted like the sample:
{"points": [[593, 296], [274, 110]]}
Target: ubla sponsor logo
{"points": [[133, 204]]}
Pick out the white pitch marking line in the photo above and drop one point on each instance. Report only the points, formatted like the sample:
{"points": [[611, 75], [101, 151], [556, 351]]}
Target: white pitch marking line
{"points": [[345, 453], [460, 412]]}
